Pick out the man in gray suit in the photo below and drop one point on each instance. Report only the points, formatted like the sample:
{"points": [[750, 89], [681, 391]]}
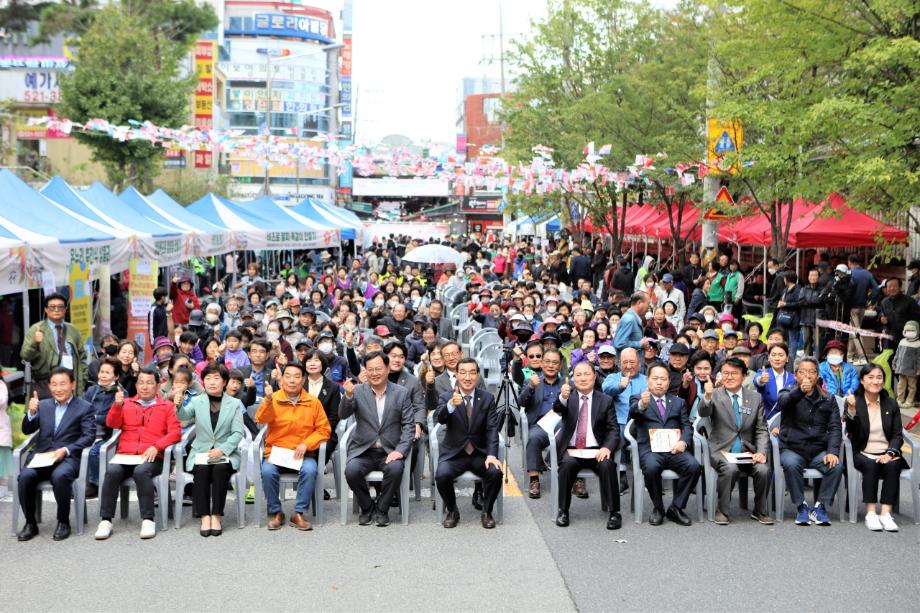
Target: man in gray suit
{"points": [[736, 413], [385, 427]]}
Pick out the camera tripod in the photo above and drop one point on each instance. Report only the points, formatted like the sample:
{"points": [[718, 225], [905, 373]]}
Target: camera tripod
{"points": [[509, 414]]}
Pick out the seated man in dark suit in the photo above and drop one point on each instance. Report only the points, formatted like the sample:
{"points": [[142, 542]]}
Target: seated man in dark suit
{"points": [[655, 408], [382, 438], [66, 426], [536, 399], [736, 413], [589, 422], [470, 442]]}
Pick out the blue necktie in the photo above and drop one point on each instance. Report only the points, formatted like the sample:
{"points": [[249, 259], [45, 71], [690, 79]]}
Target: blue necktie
{"points": [[736, 446]]}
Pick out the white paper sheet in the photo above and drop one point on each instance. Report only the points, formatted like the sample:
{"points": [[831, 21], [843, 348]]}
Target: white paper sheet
{"points": [[549, 422], [284, 457], [202, 459], [42, 460], [127, 459], [663, 439]]}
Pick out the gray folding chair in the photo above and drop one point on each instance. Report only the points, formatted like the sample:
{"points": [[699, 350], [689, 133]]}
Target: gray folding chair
{"points": [[911, 475], [287, 479], [79, 485], [666, 475], [160, 482], [582, 474], [779, 477], [183, 478], [375, 476], [467, 477]]}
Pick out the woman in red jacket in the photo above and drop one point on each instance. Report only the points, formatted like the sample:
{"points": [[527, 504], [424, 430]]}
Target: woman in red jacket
{"points": [[148, 426]]}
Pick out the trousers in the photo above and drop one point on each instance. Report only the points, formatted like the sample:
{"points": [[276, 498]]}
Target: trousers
{"points": [[606, 470], [450, 469], [684, 464], [209, 490], [873, 472], [728, 475], [143, 482], [356, 472], [61, 475]]}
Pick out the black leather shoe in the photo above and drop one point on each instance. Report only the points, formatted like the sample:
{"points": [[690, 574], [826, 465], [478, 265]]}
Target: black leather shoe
{"points": [[395, 501], [477, 497], [61, 532], [562, 519], [216, 532], [326, 495], [383, 520], [451, 519], [487, 522], [614, 522], [678, 516], [204, 533], [624, 484], [366, 517], [28, 532], [92, 491], [656, 518], [580, 489]]}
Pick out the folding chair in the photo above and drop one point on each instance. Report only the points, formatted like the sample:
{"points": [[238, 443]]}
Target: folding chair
{"points": [[287, 479], [466, 477], [911, 475], [375, 476], [161, 481]]}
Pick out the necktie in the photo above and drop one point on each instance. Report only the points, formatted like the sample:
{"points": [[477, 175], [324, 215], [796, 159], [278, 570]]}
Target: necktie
{"points": [[736, 406], [661, 411], [468, 448], [60, 338], [581, 435]]}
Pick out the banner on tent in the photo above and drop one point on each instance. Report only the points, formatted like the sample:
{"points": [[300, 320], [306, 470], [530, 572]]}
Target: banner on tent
{"points": [[419, 231], [143, 280], [81, 303]]}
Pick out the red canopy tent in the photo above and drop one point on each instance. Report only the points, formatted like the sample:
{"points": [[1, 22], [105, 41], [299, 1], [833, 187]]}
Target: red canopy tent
{"points": [[755, 230], [635, 215], [844, 228], [661, 228]]}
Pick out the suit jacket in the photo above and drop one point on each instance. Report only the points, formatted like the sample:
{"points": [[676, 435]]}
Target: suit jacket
{"points": [[603, 420], [858, 425], [531, 398], [481, 431], [724, 430], [442, 386], [416, 396], [76, 432], [676, 416], [330, 396], [397, 428], [226, 436], [44, 356]]}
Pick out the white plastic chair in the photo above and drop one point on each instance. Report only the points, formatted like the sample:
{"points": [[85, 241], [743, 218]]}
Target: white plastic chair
{"points": [[911, 475], [467, 477], [701, 440], [287, 479], [79, 485], [375, 476], [490, 364], [482, 338], [779, 477], [183, 478], [638, 491], [161, 481]]}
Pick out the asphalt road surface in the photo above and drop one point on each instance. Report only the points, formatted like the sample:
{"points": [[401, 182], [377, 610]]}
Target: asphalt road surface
{"points": [[525, 564]]}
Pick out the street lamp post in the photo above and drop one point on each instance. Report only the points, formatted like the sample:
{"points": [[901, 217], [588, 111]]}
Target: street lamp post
{"points": [[279, 53]]}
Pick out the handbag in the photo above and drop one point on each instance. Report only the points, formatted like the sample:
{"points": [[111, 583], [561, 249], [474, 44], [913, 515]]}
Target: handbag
{"points": [[784, 319]]}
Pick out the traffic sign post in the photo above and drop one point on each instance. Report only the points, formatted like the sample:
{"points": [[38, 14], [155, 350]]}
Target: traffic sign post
{"points": [[724, 138]]}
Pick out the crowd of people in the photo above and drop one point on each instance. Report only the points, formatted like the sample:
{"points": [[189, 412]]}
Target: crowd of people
{"points": [[272, 363]]}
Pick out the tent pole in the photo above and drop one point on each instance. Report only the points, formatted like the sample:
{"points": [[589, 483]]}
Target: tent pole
{"points": [[27, 366], [798, 252], [764, 279]]}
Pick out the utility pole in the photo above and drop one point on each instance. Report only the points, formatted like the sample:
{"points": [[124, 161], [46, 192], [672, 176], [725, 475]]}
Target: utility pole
{"points": [[266, 190]]}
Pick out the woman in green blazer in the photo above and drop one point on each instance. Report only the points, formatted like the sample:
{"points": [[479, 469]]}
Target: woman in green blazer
{"points": [[214, 455]]}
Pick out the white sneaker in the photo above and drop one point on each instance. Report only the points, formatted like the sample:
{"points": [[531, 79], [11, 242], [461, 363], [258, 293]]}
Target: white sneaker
{"points": [[104, 530], [888, 523], [148, 529], [873, 523]]}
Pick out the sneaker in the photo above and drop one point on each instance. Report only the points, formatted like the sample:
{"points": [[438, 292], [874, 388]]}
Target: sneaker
{"points": [[801, 516], [148, 529], [873, 523], [888, 523], [104, 530], [819, 515], [251, 495]]}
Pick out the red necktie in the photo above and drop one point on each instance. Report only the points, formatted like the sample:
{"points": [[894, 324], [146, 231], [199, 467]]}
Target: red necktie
{"points": [[581, 435]]}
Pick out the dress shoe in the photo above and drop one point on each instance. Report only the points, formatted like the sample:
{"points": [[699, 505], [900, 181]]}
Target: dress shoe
{"points": [[366, 517], [614, 522], [721, 519], [298, 521], [624, 484], [92, 491], [487, 522], [678, 516], [395, 501], [28, 532], [580, 489], [562, 519], [534, 489], [477, 497], [326, 495], [61, 532], [204, 532], [217, 531], [656, 518], [276, 521], [763, 518], [451, 519], [382, 519]]}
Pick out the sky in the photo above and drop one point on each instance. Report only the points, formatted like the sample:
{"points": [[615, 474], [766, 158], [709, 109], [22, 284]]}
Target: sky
{"points": [[410, 57]]}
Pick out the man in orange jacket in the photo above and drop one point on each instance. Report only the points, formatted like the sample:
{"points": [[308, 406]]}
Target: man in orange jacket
{"points": [[296, 421]]}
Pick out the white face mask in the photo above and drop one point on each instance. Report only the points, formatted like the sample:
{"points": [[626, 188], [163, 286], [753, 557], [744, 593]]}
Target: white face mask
{"points": [[272, 336], [649, 284], [726, 327], [551, 309], [325, 348], [835, 359], [910, 335], [258, 316], [379, 302], [709, 319]]}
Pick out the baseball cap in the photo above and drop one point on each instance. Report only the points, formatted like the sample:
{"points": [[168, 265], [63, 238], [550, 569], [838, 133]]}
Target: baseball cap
{"points": [[739, 350], [606, 350], [382, 331], [667, 278], [679, 349], [711, 334], [842, 268]]}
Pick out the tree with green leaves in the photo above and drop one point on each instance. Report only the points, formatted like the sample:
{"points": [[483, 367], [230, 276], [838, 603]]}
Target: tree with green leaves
{"points": [[130, 66]]}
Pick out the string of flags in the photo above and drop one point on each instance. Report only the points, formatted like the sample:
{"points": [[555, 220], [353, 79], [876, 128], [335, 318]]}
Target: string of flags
{"points": [[487, 172]]}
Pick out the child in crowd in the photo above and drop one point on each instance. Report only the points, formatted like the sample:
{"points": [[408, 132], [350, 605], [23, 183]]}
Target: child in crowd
{"points": [[906, 364]]}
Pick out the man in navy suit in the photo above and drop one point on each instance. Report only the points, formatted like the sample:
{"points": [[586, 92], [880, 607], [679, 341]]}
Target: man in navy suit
{"points": [[656, 409], [589, 427], [470, 442], [66, 426]]}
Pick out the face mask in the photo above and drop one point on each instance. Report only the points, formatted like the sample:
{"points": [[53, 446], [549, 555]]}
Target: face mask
{"points": [[911, 335], [772, 271], [325, 348], [474, 298], [111, 349], [726, 327], [551, 310], [393, 304], [212, 319], [528, 317], [523, 338], [258, 316], [649, 284], [378, 303], [709, 319], [835, 360], [565, 337], [272, 336]]}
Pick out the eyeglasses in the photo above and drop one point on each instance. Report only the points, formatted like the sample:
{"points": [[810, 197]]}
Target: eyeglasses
{"points": [[56, 307], [534, 356]]}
